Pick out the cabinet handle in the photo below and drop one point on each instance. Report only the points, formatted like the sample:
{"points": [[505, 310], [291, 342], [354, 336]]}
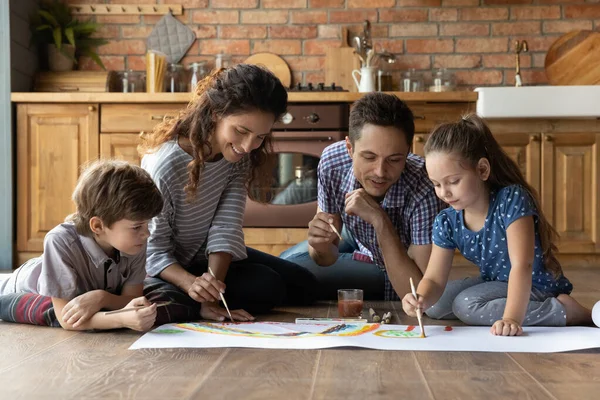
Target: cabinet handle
{"points": [[91, 108], [534, 138], [419, 139], [548, 138], [418, 117], [161, 117]]}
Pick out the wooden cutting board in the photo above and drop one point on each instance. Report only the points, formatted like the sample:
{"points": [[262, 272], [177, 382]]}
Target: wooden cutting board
{"points": [[339, 63], [574, 59], [273, 63]]}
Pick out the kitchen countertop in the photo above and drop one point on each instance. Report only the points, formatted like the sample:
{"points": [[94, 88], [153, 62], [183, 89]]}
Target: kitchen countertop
{"points": [[295, 97]]}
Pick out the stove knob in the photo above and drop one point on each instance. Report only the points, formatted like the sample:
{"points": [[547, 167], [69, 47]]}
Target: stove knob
{"points": [[313, 118], [287, 118]]}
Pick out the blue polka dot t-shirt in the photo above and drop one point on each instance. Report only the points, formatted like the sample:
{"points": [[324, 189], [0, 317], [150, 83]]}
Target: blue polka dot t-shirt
{"points": [[488, 247]]}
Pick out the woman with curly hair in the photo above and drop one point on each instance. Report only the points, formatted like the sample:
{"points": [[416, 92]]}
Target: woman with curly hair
{"points": [[205, 162]]}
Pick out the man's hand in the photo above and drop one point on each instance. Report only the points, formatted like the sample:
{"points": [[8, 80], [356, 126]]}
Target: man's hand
{"points": [[362, 205], [320, 234], [82, 308]]}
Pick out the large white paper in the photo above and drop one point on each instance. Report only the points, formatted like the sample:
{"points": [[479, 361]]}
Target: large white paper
{"points": [[278, 335]]}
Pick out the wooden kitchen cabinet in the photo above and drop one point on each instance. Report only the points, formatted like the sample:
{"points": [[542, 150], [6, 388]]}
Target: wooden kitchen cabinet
{"points": [[53, 141], [122, 146], [570, 194], [560, 159]]}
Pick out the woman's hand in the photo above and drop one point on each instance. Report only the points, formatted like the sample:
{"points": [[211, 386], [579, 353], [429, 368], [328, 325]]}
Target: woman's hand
{"points": [[506, 327], [214, 312], [206, 288]]}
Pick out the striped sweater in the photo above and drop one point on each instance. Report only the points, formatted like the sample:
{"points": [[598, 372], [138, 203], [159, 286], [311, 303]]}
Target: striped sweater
{"points": [[186, 232]]}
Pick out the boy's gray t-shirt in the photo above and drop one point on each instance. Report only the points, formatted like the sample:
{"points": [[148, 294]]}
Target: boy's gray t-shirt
{"points": [[73, 264]]}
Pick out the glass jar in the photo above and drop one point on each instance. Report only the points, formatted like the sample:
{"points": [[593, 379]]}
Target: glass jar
{"points": [[222, 61], [442, 80], [385, 82], [175, 79], [412, 81], [130, 82], [197, 72]]}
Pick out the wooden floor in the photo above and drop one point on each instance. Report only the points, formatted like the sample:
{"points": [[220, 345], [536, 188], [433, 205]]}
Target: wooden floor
{"points": [[51, 363]]}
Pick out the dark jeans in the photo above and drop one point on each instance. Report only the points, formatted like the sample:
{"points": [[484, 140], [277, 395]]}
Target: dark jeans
{"points": [[256, 284]]}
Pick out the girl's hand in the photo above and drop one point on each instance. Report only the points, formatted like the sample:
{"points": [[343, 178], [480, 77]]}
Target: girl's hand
{"points": [[506, 327], [216, 313], [82, 308], [410, 305], [139, 320], [206, 288]]}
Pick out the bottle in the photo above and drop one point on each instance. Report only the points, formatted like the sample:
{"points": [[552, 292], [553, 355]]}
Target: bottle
{"points": [[197, 73], [174, 81]]}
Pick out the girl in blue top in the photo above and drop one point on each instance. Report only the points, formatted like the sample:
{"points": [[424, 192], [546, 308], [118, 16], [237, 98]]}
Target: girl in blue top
{"points": [[496, 222]]}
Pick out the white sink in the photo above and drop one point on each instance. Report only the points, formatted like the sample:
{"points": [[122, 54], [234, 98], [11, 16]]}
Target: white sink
{"points": [[539, 102]]}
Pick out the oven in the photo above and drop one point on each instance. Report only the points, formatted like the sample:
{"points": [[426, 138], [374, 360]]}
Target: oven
{"points": [[298, 141]]}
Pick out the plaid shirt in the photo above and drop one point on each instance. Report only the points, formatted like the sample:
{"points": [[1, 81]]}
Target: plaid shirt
{"points": [[410, 203]]}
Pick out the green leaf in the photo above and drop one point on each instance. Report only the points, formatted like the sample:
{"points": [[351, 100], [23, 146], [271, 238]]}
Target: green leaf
{"points": [[96, 59], [48, 17], [43, 27], [70, 36], [57, 34]]}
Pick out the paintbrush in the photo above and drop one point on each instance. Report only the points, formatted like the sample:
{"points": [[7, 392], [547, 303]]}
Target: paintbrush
{"points": [[336, 231], [414, 292], [122, 310], [222, 297]]}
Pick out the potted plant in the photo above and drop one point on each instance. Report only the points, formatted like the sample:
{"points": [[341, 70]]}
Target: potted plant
{"points": [[66, 38]]}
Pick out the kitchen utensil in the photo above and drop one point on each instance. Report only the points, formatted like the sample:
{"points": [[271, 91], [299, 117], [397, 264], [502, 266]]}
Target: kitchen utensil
{"points": [[574, 58], [273, 63]]}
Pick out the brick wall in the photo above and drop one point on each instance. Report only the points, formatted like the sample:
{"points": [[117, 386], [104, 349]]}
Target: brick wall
{"points": [[474, 38]]}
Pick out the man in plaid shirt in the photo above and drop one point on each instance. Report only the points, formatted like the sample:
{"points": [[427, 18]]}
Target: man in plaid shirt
{"points": [[380, 193]]}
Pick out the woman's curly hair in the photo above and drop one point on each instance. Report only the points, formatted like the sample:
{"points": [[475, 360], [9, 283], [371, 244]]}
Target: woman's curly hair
{"points": [[235, 90]]}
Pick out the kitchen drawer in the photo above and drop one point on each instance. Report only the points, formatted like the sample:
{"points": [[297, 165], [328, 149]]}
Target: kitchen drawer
{"points": [[429, 115], [119, 118]]}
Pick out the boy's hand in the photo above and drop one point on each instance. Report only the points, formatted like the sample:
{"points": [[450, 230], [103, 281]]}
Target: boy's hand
{"points": [[216, 313], [206, 288], [82, 308], [506, 327], [410, 305], [139, 320]]}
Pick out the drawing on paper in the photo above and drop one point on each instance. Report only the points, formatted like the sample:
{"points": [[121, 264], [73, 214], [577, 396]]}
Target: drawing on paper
{"points": [[233, 330]]}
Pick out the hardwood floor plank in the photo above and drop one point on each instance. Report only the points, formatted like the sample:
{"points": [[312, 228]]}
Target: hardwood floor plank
{"points": [[67, 367], [257, 363], [267, 387], [558, 368], [460, 385], [464, 361], [347, 373], [289, 314], [574, 391], [181, 371], [19, 342]]}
